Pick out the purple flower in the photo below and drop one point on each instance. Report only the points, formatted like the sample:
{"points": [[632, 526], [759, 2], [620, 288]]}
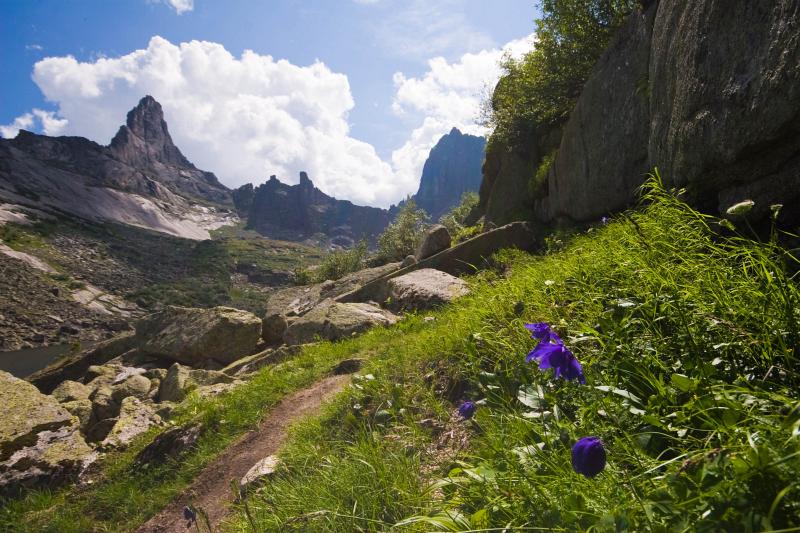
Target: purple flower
{"points": [[551, 353], [588, 456], [467, 409], [604, 220], [189, 514], [539, 330]]}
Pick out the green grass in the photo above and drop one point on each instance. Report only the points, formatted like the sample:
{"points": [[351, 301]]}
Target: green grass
{"points": [[126, 496], [688, 340]]}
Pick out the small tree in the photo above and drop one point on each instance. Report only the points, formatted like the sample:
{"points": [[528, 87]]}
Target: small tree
{"points": [[454, 219], [403, 236]]}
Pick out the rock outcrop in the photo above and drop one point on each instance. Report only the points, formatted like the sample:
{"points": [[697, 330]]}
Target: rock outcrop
{"points": [[422, 290], [332, 321], [195, 336], [452, 168], [435, 240], [707, 91], [300, 212], [39, 439]]}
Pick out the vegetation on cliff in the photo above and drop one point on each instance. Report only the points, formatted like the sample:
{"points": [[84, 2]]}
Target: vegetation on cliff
{"points": [[541, 88]]}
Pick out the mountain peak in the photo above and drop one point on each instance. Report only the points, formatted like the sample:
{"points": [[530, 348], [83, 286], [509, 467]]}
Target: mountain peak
{"points": [[145, 138]]}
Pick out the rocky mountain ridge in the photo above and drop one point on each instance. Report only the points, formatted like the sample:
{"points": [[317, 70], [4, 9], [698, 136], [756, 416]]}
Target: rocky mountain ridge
{"points": [[452, 168], [140, 179]]}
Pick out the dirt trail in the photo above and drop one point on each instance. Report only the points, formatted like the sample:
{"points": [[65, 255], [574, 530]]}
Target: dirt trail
{"points": [[211, 490]]}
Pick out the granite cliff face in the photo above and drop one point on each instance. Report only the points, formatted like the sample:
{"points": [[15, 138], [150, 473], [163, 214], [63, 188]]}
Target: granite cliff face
{"points": [[300, 212], [707, 91], [452, 168], [140, 179]]}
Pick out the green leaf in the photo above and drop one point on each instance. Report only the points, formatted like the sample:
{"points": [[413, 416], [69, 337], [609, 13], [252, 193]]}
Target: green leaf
{"points": [[684, 383]]}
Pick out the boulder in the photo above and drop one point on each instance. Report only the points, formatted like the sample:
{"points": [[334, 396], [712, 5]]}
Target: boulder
{"points": [[297, 301], [70, 391], [53, 458], [135, 417], [135, 385], [192, 336], [408, 261], [173, 387], [423, 289], [273, 327], [76, 366], [435, 239], [100, 430], [258, 473], [249, 364], [82, 410], [26, 413], [170, 444], [103, 404], [180, 380], [332, 320]]}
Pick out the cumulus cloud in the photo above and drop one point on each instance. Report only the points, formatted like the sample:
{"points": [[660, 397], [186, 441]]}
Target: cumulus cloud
{"points": [[449, 94], [251, 116], [242, 117], [47, 122], [181, 6]]}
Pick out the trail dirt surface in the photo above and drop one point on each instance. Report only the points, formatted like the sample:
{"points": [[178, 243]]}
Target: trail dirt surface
{"points": [[211, 490]]}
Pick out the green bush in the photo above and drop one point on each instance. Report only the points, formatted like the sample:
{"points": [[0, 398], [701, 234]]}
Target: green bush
{"points": [[403, 236], [335, 265], [454, 219], [537, 185]]}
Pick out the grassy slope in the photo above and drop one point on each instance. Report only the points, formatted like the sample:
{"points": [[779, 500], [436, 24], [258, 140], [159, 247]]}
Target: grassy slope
{"points": [[691, 340], [689, 346]]}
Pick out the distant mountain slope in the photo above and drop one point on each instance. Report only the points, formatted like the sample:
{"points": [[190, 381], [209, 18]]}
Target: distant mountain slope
{"points": [[452, 168], [300, 212], [141, 178]]}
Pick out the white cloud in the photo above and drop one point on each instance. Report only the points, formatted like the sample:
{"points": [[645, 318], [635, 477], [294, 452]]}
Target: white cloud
{"points": [[366, 2], [243, 118], [49, 124], [248, 117], [181, 6], [34, 47], [447, 95]]}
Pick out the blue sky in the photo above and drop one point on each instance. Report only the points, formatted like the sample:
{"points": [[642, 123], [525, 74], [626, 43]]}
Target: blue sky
{"points": [[346, 89]]}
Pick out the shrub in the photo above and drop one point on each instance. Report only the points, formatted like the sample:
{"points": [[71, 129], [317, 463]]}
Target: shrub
{"points": [[403, 236], [335, 265], [454, 220]]}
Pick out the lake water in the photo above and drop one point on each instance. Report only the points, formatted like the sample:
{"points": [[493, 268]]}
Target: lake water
{"points": [[22, 363]]}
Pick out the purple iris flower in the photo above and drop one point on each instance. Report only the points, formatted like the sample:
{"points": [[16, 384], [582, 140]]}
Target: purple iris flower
{"points": [[189, 514], [539, 330], [467, 409], [551, 353], [588, 456]]}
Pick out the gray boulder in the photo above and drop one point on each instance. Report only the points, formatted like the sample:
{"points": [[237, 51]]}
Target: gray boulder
{"points": [[26, 413], [180, 381], [422, 290], [332, 320], [39, 439], [252, 363], [135, 417], [408, 261], [259, 473], [273, 327], [82, 410], [193, 336], [54, 458], [170, 444], [135, 385], [435, 239], [70, 391]]}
